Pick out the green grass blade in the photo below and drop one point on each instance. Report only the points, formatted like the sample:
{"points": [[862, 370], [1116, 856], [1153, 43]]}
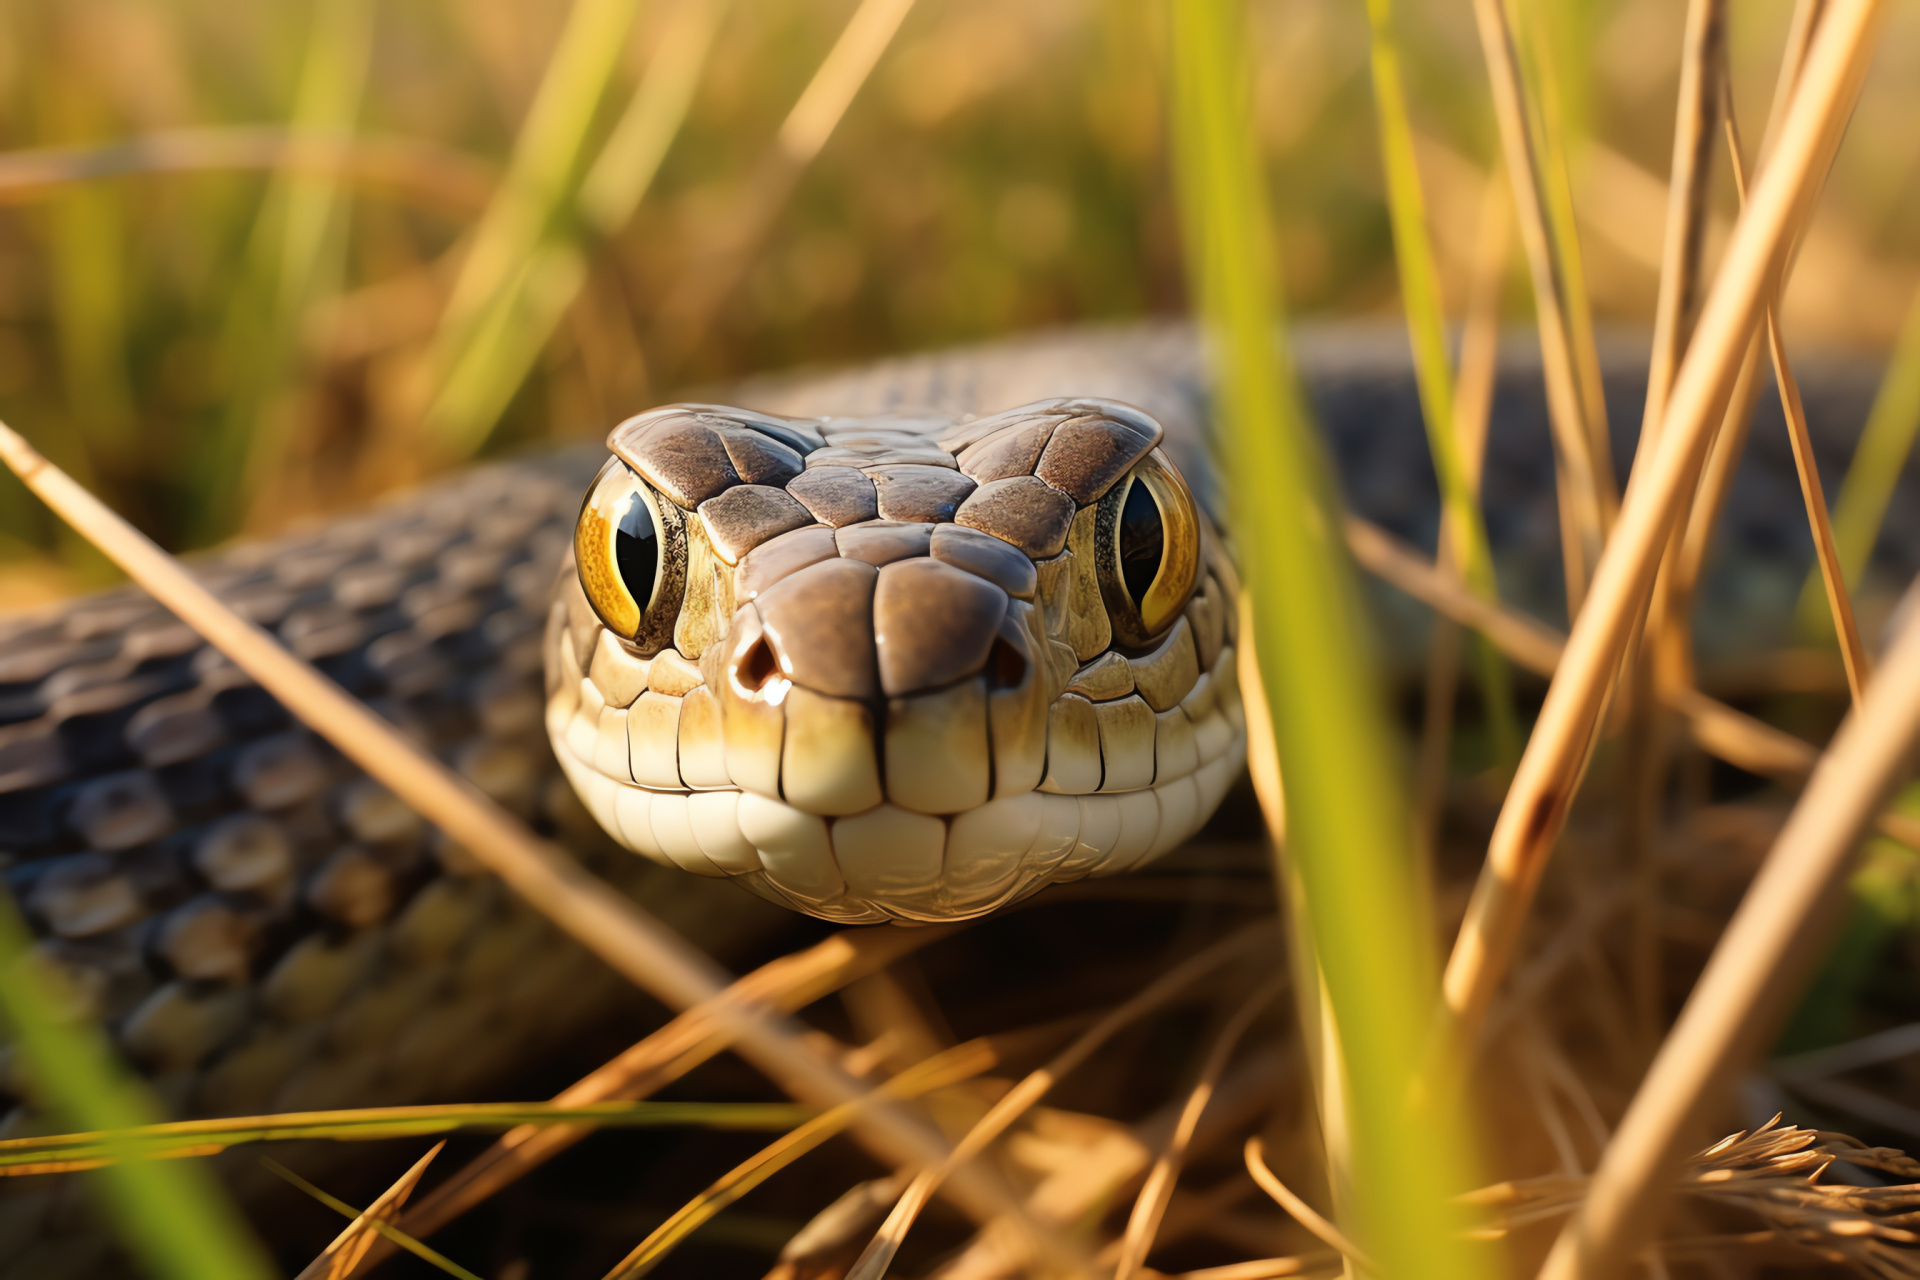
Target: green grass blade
{"points": [[174, 1219], [295, 255], [538, 189], [504, 339], [86, 261], [418, 1248], [1349, 837], [1886, 442], [626, 166], [1554, 130], [182, 1138], [507, 337], [1426, 327]]}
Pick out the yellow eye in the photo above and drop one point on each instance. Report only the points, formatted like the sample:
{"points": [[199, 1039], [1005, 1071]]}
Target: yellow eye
{"points": [[630, 548], [1147, 539]]}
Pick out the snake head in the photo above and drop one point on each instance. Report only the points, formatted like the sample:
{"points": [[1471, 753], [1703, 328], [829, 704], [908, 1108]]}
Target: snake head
{"points": [[895, 668]]}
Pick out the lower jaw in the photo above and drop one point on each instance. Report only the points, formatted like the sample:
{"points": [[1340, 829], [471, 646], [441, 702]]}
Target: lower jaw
{"points": [[889, 863]]}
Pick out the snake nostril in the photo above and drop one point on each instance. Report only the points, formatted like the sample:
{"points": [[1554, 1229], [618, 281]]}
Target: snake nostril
{"points": [[1006, 665], [756, 667]]}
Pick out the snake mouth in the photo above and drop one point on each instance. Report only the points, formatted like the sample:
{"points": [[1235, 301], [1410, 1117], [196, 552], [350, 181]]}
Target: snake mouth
{"points": [[1109, 782], [893, 713]]}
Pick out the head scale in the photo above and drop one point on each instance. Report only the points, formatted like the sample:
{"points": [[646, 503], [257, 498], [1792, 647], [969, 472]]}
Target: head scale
{"points": [[895, 668]]}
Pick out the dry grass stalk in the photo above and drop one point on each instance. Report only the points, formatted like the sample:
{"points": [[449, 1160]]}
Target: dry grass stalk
{"points": [[1150, 1206], [632, 942], [1116, 1160], [1302, 1212], [693, 1037], [1583, 476], [1716, 728], [847, 66], [1702, 67], [1023, 1097], [387, 1230], [1556, 756], [1472, 412], [184, 1139], [1674, 604], [1756, 966], [1702, 79], [436, 176], [1852, 652], [1525, 639], [1771, 1174], [960, 1063], [1266, 1268], [689, 308], [337, 1260]]}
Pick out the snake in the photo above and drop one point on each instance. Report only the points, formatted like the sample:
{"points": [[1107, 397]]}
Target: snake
{"points": [[902, 643]]}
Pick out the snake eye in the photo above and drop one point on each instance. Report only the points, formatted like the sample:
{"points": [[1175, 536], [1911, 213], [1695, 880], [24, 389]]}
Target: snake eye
{"points": [[630, 549], [1147, 539]]}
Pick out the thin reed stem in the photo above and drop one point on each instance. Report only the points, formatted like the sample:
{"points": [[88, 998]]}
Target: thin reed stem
{"points": [[426, 1253], [1150, 1206], [426, 172], [1765, 953], [688, 311], [1464, 528], [1879, 459], [1472, 416], [1648, 754], [1716, 728], [1702, 64], [1674, 605], [1537, 805], [1299, 1210], [1585, 500], [512, 248], [1852, 651], [339, 1258], [59, 1153], [487, 358]]}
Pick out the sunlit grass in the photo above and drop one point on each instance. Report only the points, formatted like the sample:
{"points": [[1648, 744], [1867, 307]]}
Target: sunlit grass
{"points": [[1465, 527], [1348, 837]]}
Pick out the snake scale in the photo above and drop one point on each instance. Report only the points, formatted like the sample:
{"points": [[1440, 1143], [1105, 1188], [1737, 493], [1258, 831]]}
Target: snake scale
{"points": [[262, 928]]}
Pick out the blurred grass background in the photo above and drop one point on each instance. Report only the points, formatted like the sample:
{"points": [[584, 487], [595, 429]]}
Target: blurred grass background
{"points": [[219, 343]]}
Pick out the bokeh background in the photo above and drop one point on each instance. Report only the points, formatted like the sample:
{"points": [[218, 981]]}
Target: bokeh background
{"points": [[261, 261]]}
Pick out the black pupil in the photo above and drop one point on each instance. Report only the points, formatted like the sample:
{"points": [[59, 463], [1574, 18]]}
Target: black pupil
{"points": [[636, 549], [1142, 538]]}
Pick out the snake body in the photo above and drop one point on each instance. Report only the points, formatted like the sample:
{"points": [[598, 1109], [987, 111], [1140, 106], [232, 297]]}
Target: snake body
{"points": [[262, 928]]}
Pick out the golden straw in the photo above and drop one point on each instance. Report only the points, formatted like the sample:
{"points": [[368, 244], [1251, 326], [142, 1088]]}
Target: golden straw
{"points": [[1761, 958], [1556, 756]]}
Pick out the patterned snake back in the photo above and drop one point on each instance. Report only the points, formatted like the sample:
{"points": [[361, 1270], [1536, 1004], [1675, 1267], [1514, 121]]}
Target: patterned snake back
{"points": [[263, 928]]}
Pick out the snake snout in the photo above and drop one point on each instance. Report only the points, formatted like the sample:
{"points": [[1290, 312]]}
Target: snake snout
{"points": [[882, 674]]}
